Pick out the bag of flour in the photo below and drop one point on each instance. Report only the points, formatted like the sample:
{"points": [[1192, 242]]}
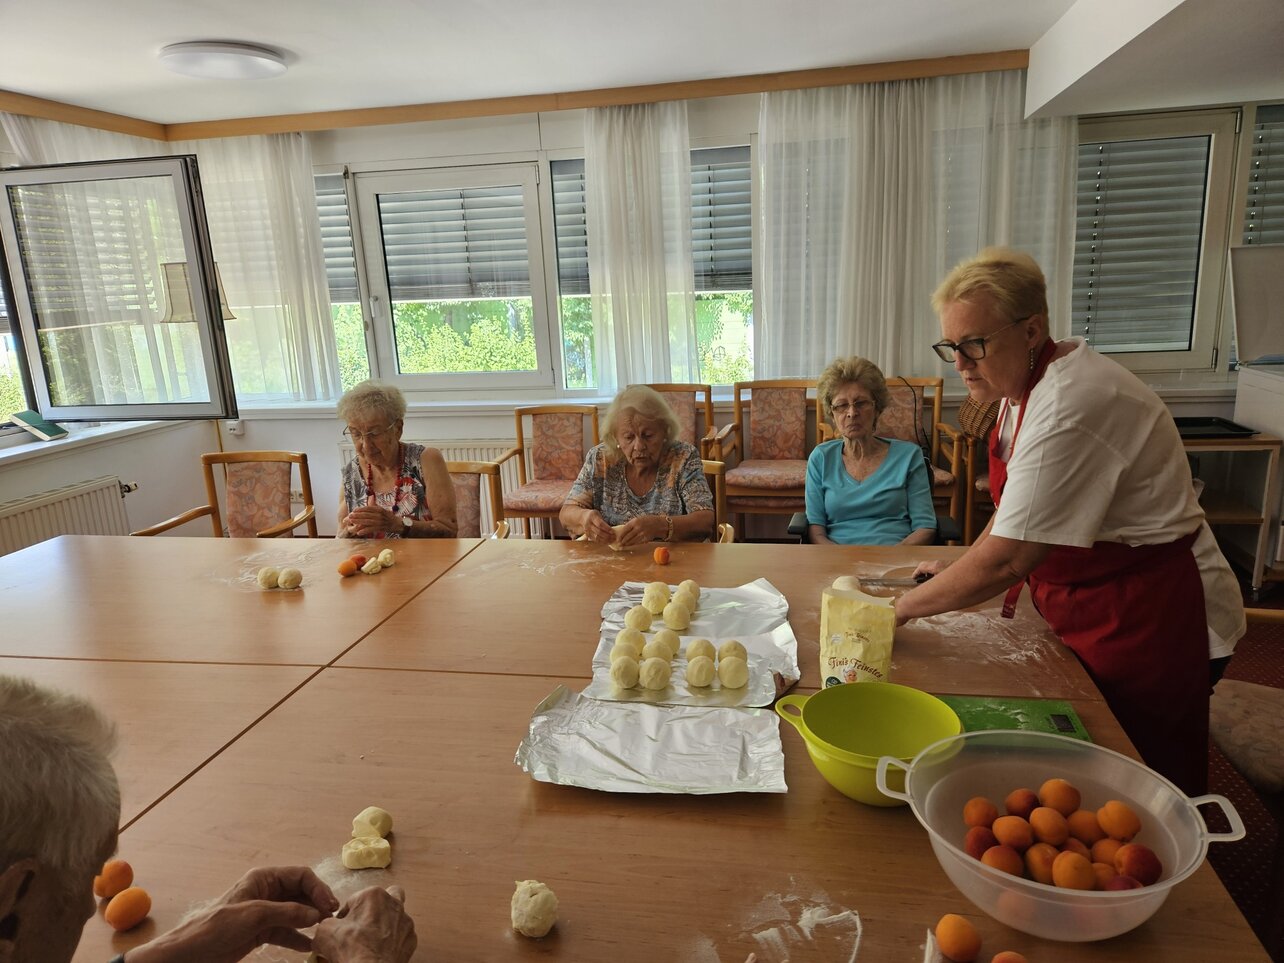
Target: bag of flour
{"points": [[856, 633]]}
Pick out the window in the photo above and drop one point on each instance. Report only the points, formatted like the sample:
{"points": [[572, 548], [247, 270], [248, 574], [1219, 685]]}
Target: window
{"points": [[115, 326], [722, 252], [456, 277], [1264, 213], [341, 277], [1149, 264], [13, 390]]}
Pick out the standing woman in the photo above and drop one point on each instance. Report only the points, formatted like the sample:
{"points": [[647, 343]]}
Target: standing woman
{"points": [[1094, 508], [392, 489]]}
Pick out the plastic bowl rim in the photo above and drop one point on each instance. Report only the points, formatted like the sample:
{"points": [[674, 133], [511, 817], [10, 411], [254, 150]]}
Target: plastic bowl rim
{"points": [[865, 760]]}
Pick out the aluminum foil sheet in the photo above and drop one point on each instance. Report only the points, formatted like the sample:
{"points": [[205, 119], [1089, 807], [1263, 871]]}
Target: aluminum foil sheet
{"points": [[575, 740], [773, 668], [751, 609]]}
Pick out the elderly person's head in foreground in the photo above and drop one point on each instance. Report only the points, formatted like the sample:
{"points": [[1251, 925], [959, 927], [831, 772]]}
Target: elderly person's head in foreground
{"points": [[59, 811], [638, 426], [373, 414], [852, 394]]}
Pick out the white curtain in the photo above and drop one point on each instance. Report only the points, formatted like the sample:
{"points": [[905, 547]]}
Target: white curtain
{"points": [[637, 185], [872, 192], [261, 206]]}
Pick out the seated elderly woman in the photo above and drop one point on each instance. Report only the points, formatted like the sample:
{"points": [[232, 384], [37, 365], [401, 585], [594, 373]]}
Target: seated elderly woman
{"points": [[862, 489], [392, 489], [642, 483]]}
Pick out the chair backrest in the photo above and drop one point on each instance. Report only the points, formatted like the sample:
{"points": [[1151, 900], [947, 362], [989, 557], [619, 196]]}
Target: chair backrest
{"points": [[470, 478], [715, 473], [258, 490], [556, 448], [778, 411], [693, 404], [913, 412]]}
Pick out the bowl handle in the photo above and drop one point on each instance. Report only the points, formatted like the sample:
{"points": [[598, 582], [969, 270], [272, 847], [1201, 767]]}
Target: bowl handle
{"points": [[793, 718], [1232, 817], [880, 777]]}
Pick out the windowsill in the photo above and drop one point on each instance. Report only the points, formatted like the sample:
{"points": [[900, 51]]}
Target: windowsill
{"points": [[23, 446]]}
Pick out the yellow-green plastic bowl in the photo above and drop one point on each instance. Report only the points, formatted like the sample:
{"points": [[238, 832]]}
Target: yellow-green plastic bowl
{"points": [[847, 728]]}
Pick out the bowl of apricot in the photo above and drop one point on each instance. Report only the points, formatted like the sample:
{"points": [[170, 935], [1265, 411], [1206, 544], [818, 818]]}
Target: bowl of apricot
{"points": [[1055, 836]]}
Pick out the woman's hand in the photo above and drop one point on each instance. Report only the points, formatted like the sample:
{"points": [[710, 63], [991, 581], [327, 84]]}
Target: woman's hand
{"points": [[644, 528], [367, 521], [372, 927], [596, 529], [934, 566]]}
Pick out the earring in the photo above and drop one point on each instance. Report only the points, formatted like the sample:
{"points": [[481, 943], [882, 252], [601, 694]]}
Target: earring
{"points": [[1031, 359]]}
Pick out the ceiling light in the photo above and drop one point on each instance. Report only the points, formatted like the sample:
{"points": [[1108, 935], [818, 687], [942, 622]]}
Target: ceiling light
{"points": [[218, 60]]}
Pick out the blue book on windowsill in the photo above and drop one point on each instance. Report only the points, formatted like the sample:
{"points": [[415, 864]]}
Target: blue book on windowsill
{"points": [[31, 420]]}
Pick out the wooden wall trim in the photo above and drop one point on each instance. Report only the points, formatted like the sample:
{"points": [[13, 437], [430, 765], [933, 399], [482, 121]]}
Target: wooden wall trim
{"points": [[501, 106]]}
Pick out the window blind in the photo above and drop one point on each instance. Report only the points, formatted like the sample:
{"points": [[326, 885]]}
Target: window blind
{"points": [[336, 239], [1264, 216], [1139, 221]]}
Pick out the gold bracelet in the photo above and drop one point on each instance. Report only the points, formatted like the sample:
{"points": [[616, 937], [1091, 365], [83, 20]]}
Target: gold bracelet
{"points": [[668, 535]]}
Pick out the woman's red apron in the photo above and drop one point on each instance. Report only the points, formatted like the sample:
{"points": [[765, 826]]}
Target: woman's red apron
{"points": [[1134, 615]]}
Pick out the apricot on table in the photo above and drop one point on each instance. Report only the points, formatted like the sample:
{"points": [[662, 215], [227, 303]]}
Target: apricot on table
{"points": [[116, 876], [957, 938], [128, 908]]}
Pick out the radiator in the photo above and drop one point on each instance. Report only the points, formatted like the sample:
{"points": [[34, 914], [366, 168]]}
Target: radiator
{"points": [[476, 450], [94, 507]]}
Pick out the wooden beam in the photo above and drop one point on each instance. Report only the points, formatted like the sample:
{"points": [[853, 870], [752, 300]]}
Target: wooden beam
{"points": [[29, 106]]}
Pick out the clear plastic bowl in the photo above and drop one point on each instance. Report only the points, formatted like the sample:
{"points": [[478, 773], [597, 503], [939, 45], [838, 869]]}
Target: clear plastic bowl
{"points": [[992, 763]]}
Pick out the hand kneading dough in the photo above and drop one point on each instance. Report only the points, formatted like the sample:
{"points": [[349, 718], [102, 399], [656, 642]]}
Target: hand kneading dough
{"points": [[654, 603], [630, 637], [732, 649], [624, 673], [638, 618], [700, 671], [534, 908], [290, 578], [733, 672], [655, 673], [372, 821], [677, 616], [268, 578], [622, 650], [655, 649], [386, 558], [669, 638], [615, 545], [366, 852], [700, 647]]}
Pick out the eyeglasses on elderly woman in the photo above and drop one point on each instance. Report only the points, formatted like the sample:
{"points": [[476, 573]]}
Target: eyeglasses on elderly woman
{"points": [[973, 349], [374, 434]]}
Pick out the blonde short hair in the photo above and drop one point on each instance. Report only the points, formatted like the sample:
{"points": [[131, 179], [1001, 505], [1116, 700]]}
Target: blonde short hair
{"points": [[644, 402], [1012, 280], [853, 370], [373, 396]]}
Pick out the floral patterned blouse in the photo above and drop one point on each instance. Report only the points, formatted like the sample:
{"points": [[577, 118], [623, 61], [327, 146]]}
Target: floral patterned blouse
{"points": [[408, 499], [680, 487]]}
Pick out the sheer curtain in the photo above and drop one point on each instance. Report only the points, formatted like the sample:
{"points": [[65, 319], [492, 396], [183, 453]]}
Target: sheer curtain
{"points": [[871, 192], [260, 203], [637, 183]]}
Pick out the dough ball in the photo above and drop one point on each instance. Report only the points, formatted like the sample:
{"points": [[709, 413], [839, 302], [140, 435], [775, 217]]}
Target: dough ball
{"points": [[655, 673], [656, 650], [622, 650], [657, 588], [847, 583], [689, 585], [630, 636], [534, 908], [733, 672], [290, 578], [638, 618], [670, 639], [701, 647], [624, 673], [700, 670], [366, 852], [268, 578], [677, 616], [373, 566], [654, 603], [687, 599], [372, 821], [386, 558], [615, 545], [731, 649]]}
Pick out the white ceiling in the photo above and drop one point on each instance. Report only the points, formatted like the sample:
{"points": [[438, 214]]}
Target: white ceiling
{"points": [[380, 53]]}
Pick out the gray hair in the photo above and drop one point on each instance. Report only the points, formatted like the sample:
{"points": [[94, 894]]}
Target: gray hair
{"points": [[644, 402], [59, 799], [853, 370], [377, 396]]}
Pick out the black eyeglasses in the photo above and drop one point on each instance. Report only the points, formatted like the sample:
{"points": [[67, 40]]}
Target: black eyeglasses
{"points": [[973, 348]]}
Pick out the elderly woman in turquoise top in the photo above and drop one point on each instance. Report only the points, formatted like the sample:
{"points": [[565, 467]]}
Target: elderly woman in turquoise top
{"points": [[862, 489], [643, 483], [392, 489]]}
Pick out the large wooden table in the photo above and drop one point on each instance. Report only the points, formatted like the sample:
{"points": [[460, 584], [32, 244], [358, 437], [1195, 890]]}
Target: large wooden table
{"points": [[419, 704]]}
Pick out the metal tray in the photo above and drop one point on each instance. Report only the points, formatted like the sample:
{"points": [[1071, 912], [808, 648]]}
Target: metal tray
{"points": [[1201, 427]]}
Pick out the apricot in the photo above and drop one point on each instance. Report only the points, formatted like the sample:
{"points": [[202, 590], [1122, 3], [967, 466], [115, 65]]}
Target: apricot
{"points": [[1013, 831], [1038, 862], [1139, 862], [1021, 802], [348, 567], [661, 556], [978, 840], [359, 560], [1084, 827], [957, 938], [1049, 826], [1008, 956], [1103, 850], [1072, 871], [1104, 873], [1118, 821], [116, 876], [1073, 845], [128, 908], [1059, 795], [1122, 882], [1004, 858], [979, 811]]}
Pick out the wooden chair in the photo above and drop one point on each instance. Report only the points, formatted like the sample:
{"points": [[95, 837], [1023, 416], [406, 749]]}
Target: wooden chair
{"points": [[478, 483], [716, 474], [258, 496], [693, 404], [965, 449], [769, 476], [553, 456]]}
